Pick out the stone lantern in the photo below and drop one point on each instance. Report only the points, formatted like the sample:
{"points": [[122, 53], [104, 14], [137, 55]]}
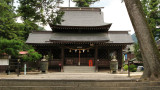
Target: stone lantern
{"points": [[114, 65], [44, 65]]}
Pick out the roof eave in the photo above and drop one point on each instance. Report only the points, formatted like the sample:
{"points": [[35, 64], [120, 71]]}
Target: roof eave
{"points": [[107, 26]]}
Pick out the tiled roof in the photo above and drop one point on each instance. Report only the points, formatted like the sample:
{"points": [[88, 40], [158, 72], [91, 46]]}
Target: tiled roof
{"points": [[80, 37], [120, 37], [110, 37], [83, 17], [39, 37]]}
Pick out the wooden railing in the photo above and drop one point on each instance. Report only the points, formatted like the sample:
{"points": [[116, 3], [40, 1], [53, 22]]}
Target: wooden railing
{"points": [[102, 63], [74, 61], [56, 62], [3, 68]]}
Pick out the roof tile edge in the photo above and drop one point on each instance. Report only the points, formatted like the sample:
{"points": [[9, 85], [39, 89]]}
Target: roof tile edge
{"points": [[80, 8]]}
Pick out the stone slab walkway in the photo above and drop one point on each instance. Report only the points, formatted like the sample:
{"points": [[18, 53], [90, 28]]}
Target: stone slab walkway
{"points": [[73, 76]]}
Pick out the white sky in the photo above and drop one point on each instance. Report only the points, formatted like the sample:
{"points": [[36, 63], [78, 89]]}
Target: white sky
{"points": [[114, 12]]}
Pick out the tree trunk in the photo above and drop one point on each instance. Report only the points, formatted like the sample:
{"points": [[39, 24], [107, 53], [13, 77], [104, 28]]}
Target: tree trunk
{"points": [[149, 51]]}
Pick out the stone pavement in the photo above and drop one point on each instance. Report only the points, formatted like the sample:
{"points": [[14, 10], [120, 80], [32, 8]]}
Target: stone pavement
{"points": [[73, 76]]}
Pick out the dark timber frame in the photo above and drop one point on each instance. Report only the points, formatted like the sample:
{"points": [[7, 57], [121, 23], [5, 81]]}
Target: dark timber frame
{"points": [[101, 54], [80, 39]]}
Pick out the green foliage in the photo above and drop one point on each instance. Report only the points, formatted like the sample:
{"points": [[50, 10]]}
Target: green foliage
{"points": [[12, 33], [41, 28], [31, 56], [8, 27], [125, 67], [41, 11], [19, 31], [133, 68], [137, 52], [84, 3], [10, 47], [152, 12]]}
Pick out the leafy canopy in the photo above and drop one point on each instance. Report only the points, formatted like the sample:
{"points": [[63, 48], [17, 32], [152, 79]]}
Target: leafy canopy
{"points": [[40, 11], [8, 27], [152, 12], [137, 52], [84, 3], [31, 56], [11, 47]]}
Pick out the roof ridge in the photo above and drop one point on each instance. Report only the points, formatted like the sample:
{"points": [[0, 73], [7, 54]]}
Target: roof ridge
{"points": [[81, 8], [41, 31]]}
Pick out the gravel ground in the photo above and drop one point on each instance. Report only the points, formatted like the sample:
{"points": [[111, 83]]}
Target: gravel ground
{"points": [[72, 76]]}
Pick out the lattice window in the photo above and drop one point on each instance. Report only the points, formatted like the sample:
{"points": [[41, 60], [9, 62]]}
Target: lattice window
{"points": [[103, 53]]}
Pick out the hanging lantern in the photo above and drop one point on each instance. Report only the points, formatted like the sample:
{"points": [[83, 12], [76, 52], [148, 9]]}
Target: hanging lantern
{"points": [[83, 50], [79, 51], [70, 50], [76, 50]]}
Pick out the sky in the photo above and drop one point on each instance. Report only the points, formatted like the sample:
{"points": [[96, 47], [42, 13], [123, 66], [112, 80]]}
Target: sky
{"points": [[114, 12]]}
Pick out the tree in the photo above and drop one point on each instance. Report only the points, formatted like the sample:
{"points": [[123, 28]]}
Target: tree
{"points": [[31, 56], [84, 3], [38, 11], [152, 12], [149, 51], [8, 27], [10, 47], [137, 52]]}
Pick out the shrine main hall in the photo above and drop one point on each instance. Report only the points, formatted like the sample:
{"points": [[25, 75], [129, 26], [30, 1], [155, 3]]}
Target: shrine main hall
{"points": [[82, 38]]}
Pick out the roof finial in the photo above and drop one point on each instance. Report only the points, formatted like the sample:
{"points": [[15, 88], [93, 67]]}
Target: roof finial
{"points": [[69, 3]]}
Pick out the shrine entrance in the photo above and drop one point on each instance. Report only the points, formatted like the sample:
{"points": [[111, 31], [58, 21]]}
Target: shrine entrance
{"points": [[78, 57]]}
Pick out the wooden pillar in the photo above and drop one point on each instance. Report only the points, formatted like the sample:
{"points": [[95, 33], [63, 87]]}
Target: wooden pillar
{"points": [[79, 59], [108, 53], [96, 58], [120, 57], [62, 58]]}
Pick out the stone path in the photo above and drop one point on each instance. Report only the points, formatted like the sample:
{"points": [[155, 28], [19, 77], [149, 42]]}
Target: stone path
{"points": [[73, 76]]}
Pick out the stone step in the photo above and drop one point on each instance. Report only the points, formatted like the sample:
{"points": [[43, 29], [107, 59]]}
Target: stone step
{"points": [[76, 88], [75, 83], [79, 69]]}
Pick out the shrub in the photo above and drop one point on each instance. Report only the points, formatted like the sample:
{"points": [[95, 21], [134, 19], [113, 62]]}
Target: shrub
{"points": [[31, 56], [125, 67], [133, 68]]}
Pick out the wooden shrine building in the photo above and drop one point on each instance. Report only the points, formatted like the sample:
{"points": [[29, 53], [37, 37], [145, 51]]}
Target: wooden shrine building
{"points": [[83, 36]]}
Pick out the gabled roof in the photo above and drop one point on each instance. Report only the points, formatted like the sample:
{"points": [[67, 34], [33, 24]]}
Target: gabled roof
{"points": [[39, 37], [82, 17], [79, 37], [45, 37], [120, 37]]}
